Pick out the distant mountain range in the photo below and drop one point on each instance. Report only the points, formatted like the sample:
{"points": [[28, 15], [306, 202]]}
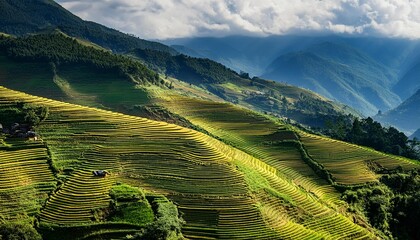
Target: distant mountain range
{"points": [[369, 74], [406, 116], [416, 134], [339, 72]]}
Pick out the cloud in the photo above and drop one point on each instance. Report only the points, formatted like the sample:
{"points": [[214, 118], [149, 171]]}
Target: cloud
{"points": [[160, 19]]}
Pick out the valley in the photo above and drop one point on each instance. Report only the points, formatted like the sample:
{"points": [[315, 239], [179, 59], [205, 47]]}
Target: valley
{"points": [[298, 135]]}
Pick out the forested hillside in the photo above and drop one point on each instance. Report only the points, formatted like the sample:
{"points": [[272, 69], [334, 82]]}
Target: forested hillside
{"points": [[59, 49], [275, 98], [64, 63], [21, 17]]}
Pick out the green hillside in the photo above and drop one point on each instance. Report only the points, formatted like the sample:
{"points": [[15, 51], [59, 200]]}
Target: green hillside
{"points": [[167, 159], [57, 66], [266, 187], [21, 17], [258, 94]]}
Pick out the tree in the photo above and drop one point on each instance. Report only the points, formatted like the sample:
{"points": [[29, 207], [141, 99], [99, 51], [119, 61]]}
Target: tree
{"points": [[18, 231]]}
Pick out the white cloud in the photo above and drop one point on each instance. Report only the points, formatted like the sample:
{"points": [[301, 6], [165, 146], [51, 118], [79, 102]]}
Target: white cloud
{"points": [[184, 18]]}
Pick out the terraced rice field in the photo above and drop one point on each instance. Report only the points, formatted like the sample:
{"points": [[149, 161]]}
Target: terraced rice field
{"points": [[256, 135], [25, 178], [348, 163], [224, 193]]}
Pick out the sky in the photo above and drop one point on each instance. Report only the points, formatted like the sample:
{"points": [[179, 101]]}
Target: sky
{"points": [[163, 19]]}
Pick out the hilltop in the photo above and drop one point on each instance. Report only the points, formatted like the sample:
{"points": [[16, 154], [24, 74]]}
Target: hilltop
{"points": [[266, 96], [384, 69], [27, 17]]}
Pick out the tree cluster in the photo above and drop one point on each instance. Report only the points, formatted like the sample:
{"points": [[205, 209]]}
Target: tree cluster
{"points": [[167, 224], [189, 69], [369, 133], [392, 206], [60, 49], [18, 231], [23, 113]]}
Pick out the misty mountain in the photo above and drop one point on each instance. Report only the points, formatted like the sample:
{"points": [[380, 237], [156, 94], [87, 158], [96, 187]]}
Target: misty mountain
{"points": [[381, 66], [254, 54], [339, 72], [406, 116], [416, 134], [409, 83]]}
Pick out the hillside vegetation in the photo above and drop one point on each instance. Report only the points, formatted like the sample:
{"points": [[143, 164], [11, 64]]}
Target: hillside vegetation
{"points": [[63, 68], [59, 49], [258, 94]]}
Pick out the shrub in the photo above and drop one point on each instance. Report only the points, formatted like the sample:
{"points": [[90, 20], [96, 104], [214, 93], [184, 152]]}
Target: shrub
{"points": [[18, 231], [167, 225], [124, 192]]}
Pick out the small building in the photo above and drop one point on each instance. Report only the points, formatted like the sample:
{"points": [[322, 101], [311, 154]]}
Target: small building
{"points": [[31, 134], [100, 173]]}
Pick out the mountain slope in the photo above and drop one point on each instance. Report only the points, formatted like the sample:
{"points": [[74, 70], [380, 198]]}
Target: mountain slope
{"points": [[57, 66], [254, 54], [21, 17], [338, 72], [406, 116], [210, 181], [416, 134], [259, 94], [409, 83]]}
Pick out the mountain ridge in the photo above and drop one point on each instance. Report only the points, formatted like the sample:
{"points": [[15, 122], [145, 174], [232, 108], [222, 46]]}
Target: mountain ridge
{"points": [[327, 69], [406, 116], [21, 18]]}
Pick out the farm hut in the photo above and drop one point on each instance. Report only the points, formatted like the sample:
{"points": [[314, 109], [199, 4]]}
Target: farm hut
{"points": [[100, 173], [31, 134]]}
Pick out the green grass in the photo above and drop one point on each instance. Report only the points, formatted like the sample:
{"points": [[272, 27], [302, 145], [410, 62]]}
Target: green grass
{"points": [[30, 77], [104, 88], [124, 192], [74, 83]]}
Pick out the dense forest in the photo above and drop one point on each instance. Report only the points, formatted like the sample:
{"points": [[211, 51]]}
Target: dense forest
{"points": [[369, 133], [392, 205], [189, 69], [57, 48], [23, 113]]}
